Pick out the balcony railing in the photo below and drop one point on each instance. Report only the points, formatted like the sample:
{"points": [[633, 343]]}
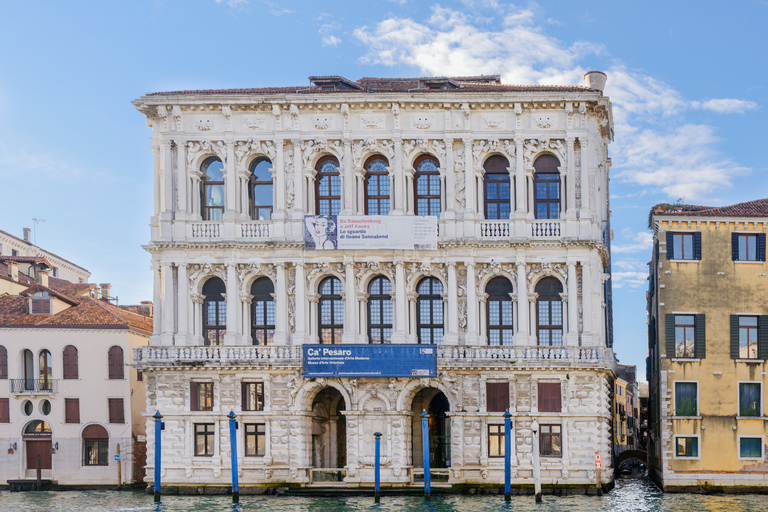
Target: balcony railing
{"points": [[205, 230], [446, 354], [500, 229], [255, 229], [545, 228], [30, 386]]}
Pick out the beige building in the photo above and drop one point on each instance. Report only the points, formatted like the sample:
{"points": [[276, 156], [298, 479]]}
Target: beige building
{"points": [[255, 190], [12, 246], [708, 345], [70, 395]]}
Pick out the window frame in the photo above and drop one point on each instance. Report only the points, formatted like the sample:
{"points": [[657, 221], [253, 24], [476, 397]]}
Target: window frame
{"points": [[501, 327], [434, 299], [761, 438], [207, 435], [75, 402], [381, 177], [491, 169], [332, 200], [219, 328], [428, 197], [5, 410], [258, 396], [3, 362], [747, 237], [760, 411], [335, 300], [549, 299], [682, 254], [266, 302], [196, 398], [539, 177], [119, 419], [500, 435], [552, 435], [256, 435], [674, 398], [675, 437], [253, 209], [495, 391], [685, 327], [205, 183], [70, 363], [378, 302], [749, 328], [558, 408], [45, 369]]}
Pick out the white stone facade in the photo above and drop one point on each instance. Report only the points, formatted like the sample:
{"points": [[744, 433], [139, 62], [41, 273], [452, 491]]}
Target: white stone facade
{"points": [[460, 129], [63, 269]]}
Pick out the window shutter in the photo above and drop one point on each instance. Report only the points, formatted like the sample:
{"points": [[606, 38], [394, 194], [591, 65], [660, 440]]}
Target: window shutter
{"points": [[735, 246], [116, 363], [549, 397], [669, 325], [5, 411], [697, 245], [735, 337], [761, 247], [497, 396], [670, 246], [116, 414], [71, 410], [3, 362], [193, 400], [70, 362], [762, 337], [700, 337]]}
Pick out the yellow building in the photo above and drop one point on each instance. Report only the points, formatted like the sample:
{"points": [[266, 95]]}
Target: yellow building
{"points": [[619, 415], [708, 345]]}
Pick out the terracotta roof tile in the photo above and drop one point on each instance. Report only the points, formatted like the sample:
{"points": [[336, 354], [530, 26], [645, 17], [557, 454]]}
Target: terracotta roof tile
{"points": [[756, 208]]}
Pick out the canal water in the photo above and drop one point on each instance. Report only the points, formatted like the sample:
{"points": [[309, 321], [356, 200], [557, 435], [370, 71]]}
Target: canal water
{"points": [[630, 495]]}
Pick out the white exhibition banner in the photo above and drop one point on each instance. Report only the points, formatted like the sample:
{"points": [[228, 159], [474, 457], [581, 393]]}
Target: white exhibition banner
{"points": [[370, 232]]}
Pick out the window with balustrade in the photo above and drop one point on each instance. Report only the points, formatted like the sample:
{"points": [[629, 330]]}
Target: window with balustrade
{"points": [[429, 311], [327, 187], [496, 188], [427, 186], [546, 187], [499, 311], [214, 312], [380, 310], [263, 311], [45, 367], [260, 189], [549, 308], [331, 311], [212, 189], [376, 186]]}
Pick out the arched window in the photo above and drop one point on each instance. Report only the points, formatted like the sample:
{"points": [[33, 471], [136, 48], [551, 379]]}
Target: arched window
{"points": [[45, 368], [116, 363], [327, 187], [376, 186], [95, 446], [212, 189], [70, 363], [427, 186], [380, 310], [260, 189], [496, 187], [429, 311], [499, 311], [3, 362], [546, 183], [549, 311], [37, 428], [331, 311], [28, 360], [263, 304], [214, 312]]}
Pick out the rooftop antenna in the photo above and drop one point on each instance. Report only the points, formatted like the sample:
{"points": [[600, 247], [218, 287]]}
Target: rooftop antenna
{"points": [[34, 233]]}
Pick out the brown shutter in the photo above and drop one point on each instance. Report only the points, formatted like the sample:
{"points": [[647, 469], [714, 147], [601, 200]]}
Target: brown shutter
{"points": [[71, 410], [116, 410], [5, 411], [3, 362], [70, 362], [193, 400], [549, 397], [116, 363], [244, 395], [497, 396]]}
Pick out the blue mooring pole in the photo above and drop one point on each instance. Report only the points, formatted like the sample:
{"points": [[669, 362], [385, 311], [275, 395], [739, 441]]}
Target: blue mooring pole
{"points": [[233, 456], [507, 455], [158, 428], [425, 451], [377, 469]]}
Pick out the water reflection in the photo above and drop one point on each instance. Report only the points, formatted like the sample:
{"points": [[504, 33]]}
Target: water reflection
{"points": [[630, 495]]}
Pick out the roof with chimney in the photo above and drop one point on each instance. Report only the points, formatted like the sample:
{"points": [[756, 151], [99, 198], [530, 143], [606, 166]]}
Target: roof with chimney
{"points": [[756, 208]]}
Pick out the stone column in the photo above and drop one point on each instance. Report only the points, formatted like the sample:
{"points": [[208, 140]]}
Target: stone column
{"points": [[452, 337], [281, 305], [469, 180], [197, 210], [412, 335], [157, 181], [570, 212], [167, 178], [450, 181], [586, 162], [532, 300], [246, 299], [168, 306], [347, 179], [410, 207], [362, 301], [230, 183], [521, 337], [350, 306], [360, 191], [299, 207], [313, 298], [573, 306], [182, 338], [243, 205], [483, 301], [300, 320], [587, 303], [398, 194], [401, 304], [157, 301], [521, 208], [181, 177], [278, 178], [197, 318], [233, 310], [472, 315], [310, 179]]}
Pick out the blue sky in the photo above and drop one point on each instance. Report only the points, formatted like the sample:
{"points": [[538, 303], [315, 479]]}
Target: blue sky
{"points": [[687, 80]]}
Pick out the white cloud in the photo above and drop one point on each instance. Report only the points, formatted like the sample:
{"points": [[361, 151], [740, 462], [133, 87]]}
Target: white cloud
{"points": [[233, 3], [641, 241], [331, 41], [652, 149], [400, 2], [630, 273]]}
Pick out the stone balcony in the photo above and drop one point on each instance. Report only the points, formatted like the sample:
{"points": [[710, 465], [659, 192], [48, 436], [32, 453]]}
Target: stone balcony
{"points": [[447, 356]]}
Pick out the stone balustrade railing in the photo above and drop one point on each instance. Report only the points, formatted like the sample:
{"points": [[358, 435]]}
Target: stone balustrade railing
{"points": [[500, 229], [453, 354]]}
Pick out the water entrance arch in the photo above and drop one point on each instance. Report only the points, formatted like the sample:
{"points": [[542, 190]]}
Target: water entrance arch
{"points": [[436, 404]]}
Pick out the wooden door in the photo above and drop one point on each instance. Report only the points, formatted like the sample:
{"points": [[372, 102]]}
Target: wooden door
{"points": [[41, 447]]}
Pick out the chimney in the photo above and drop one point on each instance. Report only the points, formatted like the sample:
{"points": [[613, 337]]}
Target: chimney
{"points": [[147, 305], [96, 293], [105, 287], [26, 235], [595, 80], [43, 277], [14, 270]]}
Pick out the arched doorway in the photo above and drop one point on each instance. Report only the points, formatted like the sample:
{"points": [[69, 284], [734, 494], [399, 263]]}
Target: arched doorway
{"points": [[37, 441], [436, 404], [329, 430]]}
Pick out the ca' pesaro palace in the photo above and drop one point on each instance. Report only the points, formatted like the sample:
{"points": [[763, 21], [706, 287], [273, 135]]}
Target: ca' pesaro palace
{"points": [[447, 239]]}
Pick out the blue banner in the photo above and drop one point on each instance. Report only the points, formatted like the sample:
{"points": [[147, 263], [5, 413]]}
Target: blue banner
{"points": [[370, 361]]}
